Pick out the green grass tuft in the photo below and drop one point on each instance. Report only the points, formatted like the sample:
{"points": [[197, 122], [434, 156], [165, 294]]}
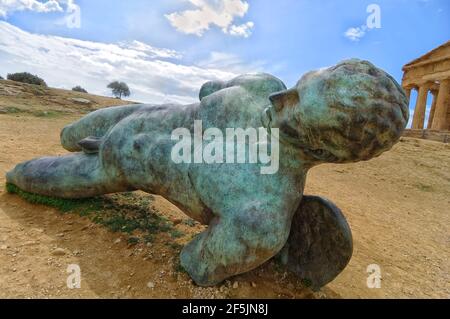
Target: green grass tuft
{"points": [[83, 206], [125, 213], [176, 233]]}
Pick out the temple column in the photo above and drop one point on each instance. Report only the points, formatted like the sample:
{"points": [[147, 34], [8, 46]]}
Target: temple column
{"points": [[421, 105], [408, 92], [432, 110], [440, 115]]}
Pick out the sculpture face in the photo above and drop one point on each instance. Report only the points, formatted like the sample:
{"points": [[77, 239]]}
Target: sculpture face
{"points": [[347, 113]]}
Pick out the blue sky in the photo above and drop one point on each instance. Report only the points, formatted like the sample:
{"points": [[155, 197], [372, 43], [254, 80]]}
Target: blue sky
{"points": [[191, 41]]}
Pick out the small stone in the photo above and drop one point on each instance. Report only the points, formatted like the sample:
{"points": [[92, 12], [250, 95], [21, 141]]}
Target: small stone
{"points": [[76, 252], [60, 235], [4, 247], [29, 243], [253, 284], [80, 101], [118, 240], [235, 285], [59, 252], [151, 285]]}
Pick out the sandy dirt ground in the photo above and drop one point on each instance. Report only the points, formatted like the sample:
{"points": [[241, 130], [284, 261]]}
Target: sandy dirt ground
{"points": [[397, 206]]}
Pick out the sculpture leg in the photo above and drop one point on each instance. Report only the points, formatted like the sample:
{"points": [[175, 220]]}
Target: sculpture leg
{"points": [[71, 176], [233, 245], [95, 124], [320, 242]]}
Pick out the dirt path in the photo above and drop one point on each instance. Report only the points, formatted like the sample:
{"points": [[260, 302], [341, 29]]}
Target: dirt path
{"points": [[397, 206]]}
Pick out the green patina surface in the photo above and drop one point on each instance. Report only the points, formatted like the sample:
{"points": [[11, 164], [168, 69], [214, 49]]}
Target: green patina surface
{"points": [[346, 113]]}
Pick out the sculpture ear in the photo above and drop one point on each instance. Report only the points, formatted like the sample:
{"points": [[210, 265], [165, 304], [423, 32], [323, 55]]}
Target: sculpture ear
{"points": [[287, 98]]}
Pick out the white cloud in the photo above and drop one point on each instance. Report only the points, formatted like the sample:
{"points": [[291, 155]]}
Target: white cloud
{"points": [[9, 6], [220, 13], [72, 18], [154, 75], [230, 62], [243, 30], [151, 51], [356, 33]]}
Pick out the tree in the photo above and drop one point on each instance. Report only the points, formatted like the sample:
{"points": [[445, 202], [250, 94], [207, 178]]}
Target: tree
{"points": [[25, 77], [119, 89], [79, 89], [1, 78]]}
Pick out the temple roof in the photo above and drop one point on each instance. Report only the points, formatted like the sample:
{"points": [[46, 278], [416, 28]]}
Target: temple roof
{"points": [[436, 53]]}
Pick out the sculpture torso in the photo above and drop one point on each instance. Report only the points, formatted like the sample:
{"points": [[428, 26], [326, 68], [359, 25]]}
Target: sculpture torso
{"points": [[139, 149]]}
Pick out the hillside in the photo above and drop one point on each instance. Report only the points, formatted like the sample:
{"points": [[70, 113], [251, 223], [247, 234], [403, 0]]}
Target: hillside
{"points": [[36, 100]]}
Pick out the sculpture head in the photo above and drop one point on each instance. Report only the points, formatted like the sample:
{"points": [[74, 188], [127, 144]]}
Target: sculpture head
{"points": [[346, 113]]}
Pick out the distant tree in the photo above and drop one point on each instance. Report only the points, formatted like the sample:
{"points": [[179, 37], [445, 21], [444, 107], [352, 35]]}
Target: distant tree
{"points": [[119, 89], [1, 78], [26, 77], [79, 89]]}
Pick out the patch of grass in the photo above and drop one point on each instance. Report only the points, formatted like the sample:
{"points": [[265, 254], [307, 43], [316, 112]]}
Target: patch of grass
{"points": [[176, 233], [175, 246], [424, 188], [11, 110], [35, 89], [125, 213], [133, 241], [82, 206], [190, 222]]}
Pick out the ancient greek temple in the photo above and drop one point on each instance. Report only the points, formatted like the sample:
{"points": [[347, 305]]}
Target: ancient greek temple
{"points": [[430, 74]]}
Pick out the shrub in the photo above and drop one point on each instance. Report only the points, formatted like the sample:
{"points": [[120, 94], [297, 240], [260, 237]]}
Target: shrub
{"points": [[26, 77], [79, 89]]}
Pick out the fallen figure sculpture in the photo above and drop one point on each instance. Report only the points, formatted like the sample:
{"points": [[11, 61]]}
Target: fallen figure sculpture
{"points": [[346, 113]]}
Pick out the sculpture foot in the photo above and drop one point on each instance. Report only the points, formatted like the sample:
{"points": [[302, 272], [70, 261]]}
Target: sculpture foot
{"points": [[71, 176], [320, 242]]}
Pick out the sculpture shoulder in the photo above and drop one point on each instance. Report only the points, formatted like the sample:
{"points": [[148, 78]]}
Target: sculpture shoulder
{"points": [[254, 83]]}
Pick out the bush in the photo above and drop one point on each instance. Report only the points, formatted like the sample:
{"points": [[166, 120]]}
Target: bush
{"points": [[79, 89], [26, 77]]}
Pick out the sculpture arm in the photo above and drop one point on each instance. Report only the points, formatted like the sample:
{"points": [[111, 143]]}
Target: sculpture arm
{"points": [[95, 124]]}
